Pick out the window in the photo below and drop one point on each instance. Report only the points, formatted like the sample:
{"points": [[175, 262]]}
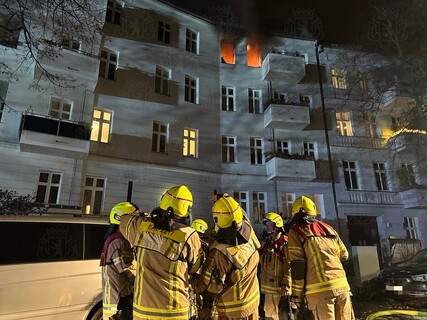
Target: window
{"points": [[344, 124], [191, 89], [1, 110], [254, 55], [305, 100], [283, 146], [59, 109], [160, 137], [70, 44], [93, 195], [164, 32], [228, 98], [309, 148], [229, 149], [338, 80], [108, 65], [190, 142], [279, 97], [364, 81], [242, 198], [350, 175], [257, 150], [259, 206], [370, 126], [114, 10], [318, 201], [255, 105], [163, 77], [48, 187], [407, 176], [380, 176], [227, 52], [192, 41], [287, 202], [410, 225], [101, 125]]}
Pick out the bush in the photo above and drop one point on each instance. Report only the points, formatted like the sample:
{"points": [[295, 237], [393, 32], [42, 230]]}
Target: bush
{"points": [[11, 203]]}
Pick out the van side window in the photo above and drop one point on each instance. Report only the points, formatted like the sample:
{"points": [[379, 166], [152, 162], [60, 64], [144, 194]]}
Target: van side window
{"points": [[94, 240]]}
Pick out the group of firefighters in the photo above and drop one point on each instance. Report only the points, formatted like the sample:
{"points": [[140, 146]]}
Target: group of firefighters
{"points": [[155, 266]]}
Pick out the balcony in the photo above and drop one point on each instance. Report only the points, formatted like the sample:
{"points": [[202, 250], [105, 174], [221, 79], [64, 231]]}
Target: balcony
{"points": [[290, 167], [370, 198], [281, 115], [409, 141], [58, 137], [358, 142], [414, 198], [283, 66]]}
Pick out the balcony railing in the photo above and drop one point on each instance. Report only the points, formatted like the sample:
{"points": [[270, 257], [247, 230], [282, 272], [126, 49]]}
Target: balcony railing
{"points": [[43, 134], [284, 66], [286, 115], [408, 141], [359, 142], [284, 166], [371, 197], [415, 197]]}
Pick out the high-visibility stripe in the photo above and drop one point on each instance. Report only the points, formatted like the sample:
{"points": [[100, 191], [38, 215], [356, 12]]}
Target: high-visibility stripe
{"points": [[317, 261], [140, 274], [327, 286], [230, 306], [269, 289], [157, 313], [173, 283]]}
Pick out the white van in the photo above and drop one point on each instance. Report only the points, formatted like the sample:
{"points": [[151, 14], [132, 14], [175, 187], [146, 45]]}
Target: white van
{"points": [[49, 267]]}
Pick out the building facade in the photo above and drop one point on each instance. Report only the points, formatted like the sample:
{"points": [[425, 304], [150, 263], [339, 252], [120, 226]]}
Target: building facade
{"points": [[165, 97]]}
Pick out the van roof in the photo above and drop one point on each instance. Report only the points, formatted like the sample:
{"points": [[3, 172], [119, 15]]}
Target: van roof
{"points": [[89, 219]]}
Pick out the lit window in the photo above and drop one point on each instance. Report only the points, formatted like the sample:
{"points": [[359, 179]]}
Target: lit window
{"points": [[344, 124], [160, 137], [162, 81], [108, 65], [229, 149], [228, 98], [190, 142], [410, 224], [114, 10], [309, 149], [338, 80], [380, 176], [192, 41], [283, 146], [257, 150], [227, 52], [101, 125], [254, 55], [163, 32], [259, 207], [59, 109], [191, 89], [48, 187], [242, 198], [287, 202], [93, 195], [255, 104], [350, 175], [318, 201]]}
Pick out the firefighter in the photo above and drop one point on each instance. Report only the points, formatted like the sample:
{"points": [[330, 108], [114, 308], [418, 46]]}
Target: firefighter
{"points": [[230, 270], [167, 253], [316, 254], [275, 267], [116, 261]]}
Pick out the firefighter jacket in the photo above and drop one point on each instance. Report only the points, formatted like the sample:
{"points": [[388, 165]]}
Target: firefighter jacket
{"points": [[321, 251], [231, 273], [115, 282], [275, 267], [165, 260]]}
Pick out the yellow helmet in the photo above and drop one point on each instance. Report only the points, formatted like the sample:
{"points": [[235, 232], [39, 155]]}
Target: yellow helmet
{"points": [[274, 217], [306, 204], [120, 209], [199, 225], [226, 210], [180, 199]]}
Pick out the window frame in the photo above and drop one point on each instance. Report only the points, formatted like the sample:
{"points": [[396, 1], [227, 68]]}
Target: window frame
{"points": [[162, 83], [164, 32], [257, 203], [256, 147], [189, 141], [410, 225], [191, 89], [60, 110], [48, 187], [94, 188], [157, 136], [102, 121], [338, 78], [380, 175], [351, 178], [255, 102], [105, 64], [226, 98], [309, 148], [115, 8], [192, 44], [344, 123], [228, 149], [242, 197], [287, 200], [280, 146]]}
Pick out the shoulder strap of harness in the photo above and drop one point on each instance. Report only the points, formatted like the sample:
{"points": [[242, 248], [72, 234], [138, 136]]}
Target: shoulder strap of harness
{"points": [[107, 242]]}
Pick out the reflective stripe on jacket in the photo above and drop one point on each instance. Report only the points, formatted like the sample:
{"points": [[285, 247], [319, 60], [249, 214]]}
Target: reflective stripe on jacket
{"points": [[231, 272], [165, 259], [323, 254]]}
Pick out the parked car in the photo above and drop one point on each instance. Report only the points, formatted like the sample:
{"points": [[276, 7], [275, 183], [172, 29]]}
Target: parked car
{"points": [[406, 279], [49, 267]]}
